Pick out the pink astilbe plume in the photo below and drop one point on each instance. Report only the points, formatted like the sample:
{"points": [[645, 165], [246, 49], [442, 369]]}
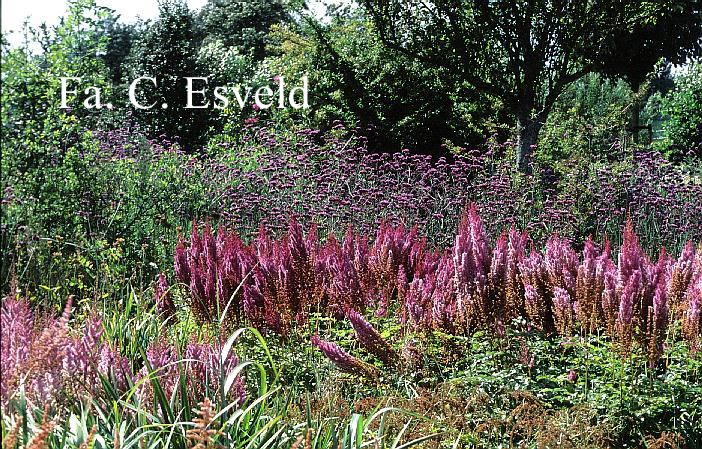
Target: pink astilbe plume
{"points": [[164, 299], [43, 371], [343, 360], [162, 359], [607, 272], [680, 275], [115, 367], [506, 292], [53, 363], [692, 317], [416, 296], [514, 289], [235, 263], [83, 353], [628, 296], [16, 336], [471, 260], [537, 298], [213, 268], [563, 313], [655, 301], [371, 339], [390, 252], [181, 262], [443, 301], [205, 375], [561, 264], [344, 287], [589, 287], [632, 271], [284, 284], [272, 279], [303, 250], [497, 280]]}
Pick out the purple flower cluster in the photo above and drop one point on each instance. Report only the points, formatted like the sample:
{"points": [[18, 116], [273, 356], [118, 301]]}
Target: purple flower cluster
{"points": [[200, 365], [342, 359], [52, 362], [371, 339], [470, 285], [333, 180], [213, 267]]}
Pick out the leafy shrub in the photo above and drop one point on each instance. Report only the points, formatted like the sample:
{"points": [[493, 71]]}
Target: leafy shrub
{"points": [[683, 128]]}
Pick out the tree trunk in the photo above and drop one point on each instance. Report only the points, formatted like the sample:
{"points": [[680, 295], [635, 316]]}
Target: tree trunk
{"points": [[528, 129], [635, 118]]}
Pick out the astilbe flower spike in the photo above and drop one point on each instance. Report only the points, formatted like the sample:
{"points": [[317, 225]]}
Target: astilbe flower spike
{"points": [[563, 313], [657, 307], [471, 260], [607, 272], [537, 300], [343, 360], [82, 355], [630, 286], [204, 372], [589, 286], [371, 339], [43, 370], [497, 280], [692, 324], [514, 289], [203, 433], [11, 437], [344, 288], [162, 361], [164, 299], [680, 275], [40, 439], [561, 264], [17, 327], [625, 317], [391, 252], [443, 300]]}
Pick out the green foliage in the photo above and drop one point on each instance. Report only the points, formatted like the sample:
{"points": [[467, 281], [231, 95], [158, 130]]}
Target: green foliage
{"points": [[682, 107], [94, 211], [357, 80], [167, 51], [585, 121], [242, 24], [526, 53], [32, 84]]}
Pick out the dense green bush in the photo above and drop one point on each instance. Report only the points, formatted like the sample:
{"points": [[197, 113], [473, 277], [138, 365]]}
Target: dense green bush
{"points": [[101, 195], [403, 103], [682, 108]]}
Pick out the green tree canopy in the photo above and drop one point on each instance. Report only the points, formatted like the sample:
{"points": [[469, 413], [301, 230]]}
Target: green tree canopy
{"points": [[242, 24], [167, 50], [525, 52]]}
